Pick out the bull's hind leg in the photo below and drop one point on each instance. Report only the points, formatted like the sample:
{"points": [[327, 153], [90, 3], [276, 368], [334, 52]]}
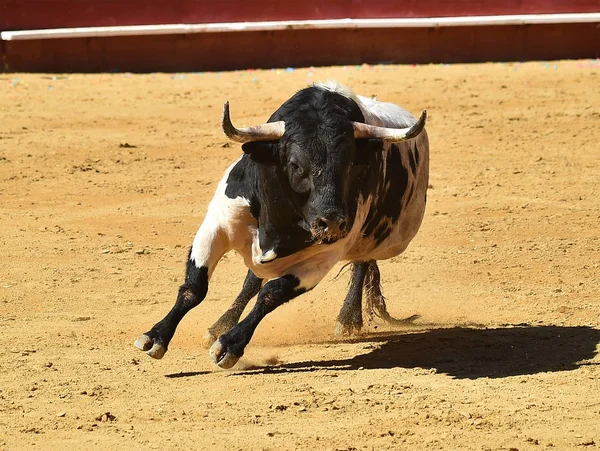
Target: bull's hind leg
{"points": [[231, 317], [375, 302], [228, 349], [350, 320]]}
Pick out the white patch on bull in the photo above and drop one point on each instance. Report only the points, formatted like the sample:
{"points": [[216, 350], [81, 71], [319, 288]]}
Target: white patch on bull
{"points": [[310, 264], [268, 256], [382, 114], [258, 256], [219, 232], [334, 86]]}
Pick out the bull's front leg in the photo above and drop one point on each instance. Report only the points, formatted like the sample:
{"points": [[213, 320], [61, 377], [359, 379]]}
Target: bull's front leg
{"points": [[228, 349], [210, 244], [231, 317]]}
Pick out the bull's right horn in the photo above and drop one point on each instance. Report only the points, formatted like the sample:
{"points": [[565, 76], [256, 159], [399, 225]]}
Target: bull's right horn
{"points": [[362, 131], [271, 131]]}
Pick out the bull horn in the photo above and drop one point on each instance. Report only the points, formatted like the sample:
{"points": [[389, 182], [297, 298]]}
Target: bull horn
{"points": [[270, 131], [362, 131]]}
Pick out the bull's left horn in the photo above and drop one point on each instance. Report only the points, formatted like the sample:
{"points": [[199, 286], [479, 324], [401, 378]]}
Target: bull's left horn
{"points": [[362, 131], [270, 131]]}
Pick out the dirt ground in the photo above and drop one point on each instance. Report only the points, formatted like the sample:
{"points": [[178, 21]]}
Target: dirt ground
{"points": [[105, 178]]}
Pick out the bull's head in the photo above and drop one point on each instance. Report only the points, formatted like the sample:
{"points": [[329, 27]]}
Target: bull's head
{"points": [[318, 138]]}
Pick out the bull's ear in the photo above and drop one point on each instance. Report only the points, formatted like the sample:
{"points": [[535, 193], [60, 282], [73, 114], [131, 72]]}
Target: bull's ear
{"points": [[364, 149], [261, 151]]}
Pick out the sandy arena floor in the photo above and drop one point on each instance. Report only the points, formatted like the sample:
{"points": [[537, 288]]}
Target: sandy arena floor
{"points": [[104, 180]]}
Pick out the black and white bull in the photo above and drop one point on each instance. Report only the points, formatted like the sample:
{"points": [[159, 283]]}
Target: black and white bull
{"points": [[331, 177]]}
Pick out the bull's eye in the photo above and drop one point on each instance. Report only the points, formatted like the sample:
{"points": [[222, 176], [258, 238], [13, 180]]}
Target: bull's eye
{"points": [[297, 170], [298, 177]]}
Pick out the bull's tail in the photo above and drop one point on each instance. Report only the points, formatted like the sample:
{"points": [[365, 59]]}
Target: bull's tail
{"points": [[374, 305]]}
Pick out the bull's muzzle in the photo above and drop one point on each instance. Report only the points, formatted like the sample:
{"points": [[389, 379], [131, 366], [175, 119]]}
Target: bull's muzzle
{"points": [[330, 228]]}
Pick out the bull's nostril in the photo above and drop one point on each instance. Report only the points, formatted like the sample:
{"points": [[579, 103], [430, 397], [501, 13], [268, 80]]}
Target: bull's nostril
{"points": [[322, 224], [343, 225]]}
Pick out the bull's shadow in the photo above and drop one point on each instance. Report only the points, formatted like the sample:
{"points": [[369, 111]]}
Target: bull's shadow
{"points": [[466, 353]]}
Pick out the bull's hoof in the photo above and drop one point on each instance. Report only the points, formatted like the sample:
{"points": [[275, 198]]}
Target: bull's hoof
{"points": [[153, 348], [347, 330], [219, 354], [208, 340], [143, 343]]}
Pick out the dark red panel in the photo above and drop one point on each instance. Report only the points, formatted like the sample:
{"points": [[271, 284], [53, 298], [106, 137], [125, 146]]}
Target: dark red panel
{"points": [[212, 51], [35, 14]]}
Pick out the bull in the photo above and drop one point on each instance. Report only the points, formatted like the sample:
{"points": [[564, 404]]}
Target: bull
{"points": [[332, 176]]}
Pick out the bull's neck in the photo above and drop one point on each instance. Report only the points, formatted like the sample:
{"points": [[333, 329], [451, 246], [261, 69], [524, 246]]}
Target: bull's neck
{"points": [[281, 227]]}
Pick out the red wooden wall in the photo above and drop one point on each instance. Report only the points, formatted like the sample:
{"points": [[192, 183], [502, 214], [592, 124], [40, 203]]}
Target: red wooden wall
{"points": [[223, 51], [35, 14]]}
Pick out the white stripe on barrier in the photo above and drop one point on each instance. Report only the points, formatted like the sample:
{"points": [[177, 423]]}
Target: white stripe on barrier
{"points": [[139, 30]]}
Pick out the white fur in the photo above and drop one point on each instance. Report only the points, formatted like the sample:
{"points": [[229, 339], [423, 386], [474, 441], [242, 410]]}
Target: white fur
{"points": [[382, 114]]}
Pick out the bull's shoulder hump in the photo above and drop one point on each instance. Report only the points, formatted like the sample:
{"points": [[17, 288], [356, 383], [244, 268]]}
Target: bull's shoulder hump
{"points": [[240, 180], [386, 114]]}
